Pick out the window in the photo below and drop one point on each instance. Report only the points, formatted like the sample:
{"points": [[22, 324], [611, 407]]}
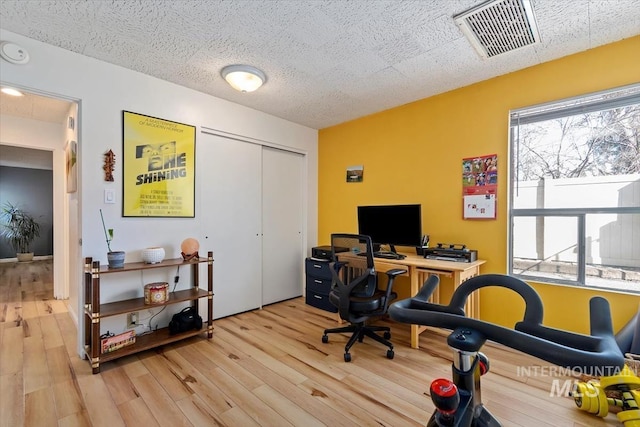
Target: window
{"points": [[574, 210]]}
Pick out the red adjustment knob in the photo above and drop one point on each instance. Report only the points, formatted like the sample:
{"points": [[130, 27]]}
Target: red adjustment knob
{"points": [[483, 363], [444, 395]]}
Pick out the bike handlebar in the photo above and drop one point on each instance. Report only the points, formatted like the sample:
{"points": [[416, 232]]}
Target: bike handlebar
{"points": [[591, 354]]}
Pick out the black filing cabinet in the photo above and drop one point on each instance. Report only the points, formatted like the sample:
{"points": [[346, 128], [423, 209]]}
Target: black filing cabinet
{"points": [[318, 284]]}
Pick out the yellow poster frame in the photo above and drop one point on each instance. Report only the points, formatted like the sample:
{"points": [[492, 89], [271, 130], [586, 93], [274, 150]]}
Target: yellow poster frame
{"points": [[158, 167]]}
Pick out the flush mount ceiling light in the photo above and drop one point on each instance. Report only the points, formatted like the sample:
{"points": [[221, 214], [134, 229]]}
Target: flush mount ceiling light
{"points": [[244, 78], [11, 91], [499, 26]]}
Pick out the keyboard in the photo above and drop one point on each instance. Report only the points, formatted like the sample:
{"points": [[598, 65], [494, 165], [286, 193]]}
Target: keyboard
{"points": [[384, 255]]}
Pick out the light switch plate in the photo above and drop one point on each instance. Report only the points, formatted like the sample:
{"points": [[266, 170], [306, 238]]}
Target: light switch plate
{"points": [[109, 196]]}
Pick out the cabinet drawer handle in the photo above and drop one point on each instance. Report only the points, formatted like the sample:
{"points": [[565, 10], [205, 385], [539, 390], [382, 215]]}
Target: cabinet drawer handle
{"points": [[317, 297], [317, 281], [317, 266]]}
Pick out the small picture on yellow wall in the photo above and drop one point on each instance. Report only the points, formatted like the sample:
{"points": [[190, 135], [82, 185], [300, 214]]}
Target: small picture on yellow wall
{"points": [[355, 173]]}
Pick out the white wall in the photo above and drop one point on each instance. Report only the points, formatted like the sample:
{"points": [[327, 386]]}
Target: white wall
{"points": [[103, 91]]}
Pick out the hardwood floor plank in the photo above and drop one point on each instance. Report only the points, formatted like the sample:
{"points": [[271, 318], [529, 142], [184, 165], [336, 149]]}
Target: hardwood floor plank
{"points": [[195, 356], [36, 370], [373, 385], [167, 372], [353, 408], [245, 399], [67, 399], [43, 304], [199, 413], [237, 417], [286, 408], [204, 385], [68, 331], [120, 386], [79, 419], [226, 357], [60, 368], [59, 306], [100, 406], [310, 402], [51, 332], [163, 408], [132, 365], [29, 309], [39, 408], [295, 348], [11, 351], [12, 399], [257, 352], [11, 313], [133, 411]]}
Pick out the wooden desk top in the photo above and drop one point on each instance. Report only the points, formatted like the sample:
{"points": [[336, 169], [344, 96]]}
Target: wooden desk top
{"points": [[419, 262]]}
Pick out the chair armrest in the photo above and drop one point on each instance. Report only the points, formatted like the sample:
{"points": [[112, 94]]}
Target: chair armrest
{"points": [[391, 276], [395, 272]]}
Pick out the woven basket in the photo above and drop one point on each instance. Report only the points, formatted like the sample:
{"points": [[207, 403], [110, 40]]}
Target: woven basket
{"points": [[633, 362]]}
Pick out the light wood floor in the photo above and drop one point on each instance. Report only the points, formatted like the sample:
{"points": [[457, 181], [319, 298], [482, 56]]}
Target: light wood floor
{"points": [[262, 368]]}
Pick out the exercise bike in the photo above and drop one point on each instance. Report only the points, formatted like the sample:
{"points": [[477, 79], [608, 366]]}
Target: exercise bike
{"points": [[458, 401]]}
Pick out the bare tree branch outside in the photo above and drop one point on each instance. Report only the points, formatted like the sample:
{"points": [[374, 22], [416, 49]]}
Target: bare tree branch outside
{"points": [[594, 144]]}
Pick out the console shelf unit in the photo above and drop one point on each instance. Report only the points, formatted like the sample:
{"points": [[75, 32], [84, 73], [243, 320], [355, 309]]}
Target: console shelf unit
{"points": [[94, 311]]}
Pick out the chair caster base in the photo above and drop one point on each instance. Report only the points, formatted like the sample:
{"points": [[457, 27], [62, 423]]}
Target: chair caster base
{"points": [[325, 339], [390, 354], [347, 357]]}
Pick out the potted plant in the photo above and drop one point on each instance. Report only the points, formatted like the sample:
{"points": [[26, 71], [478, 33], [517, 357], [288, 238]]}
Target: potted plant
{"points": [[115, 259], [20, 229]]}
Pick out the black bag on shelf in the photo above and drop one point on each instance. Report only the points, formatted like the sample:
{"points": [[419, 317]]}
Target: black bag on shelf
{"points": [[184, 321]]}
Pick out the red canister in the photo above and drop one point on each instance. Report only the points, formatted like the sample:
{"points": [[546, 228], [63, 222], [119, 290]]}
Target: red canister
{"points": [[156, 293]]}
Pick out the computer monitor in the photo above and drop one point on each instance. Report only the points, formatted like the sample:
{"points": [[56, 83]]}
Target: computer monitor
{"points": [[391, 224]]}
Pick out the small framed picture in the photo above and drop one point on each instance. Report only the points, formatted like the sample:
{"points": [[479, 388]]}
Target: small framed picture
{"points": [[355, 173]]}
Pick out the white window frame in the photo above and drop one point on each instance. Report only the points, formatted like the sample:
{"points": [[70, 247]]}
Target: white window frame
{"points": [[613, 98]]}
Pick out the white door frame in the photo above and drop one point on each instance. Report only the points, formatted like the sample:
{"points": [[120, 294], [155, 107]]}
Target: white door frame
{"points": [[66, 269]]}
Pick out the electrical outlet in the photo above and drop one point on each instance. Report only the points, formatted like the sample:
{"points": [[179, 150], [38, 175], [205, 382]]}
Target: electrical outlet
{"points": [[132, 319]]}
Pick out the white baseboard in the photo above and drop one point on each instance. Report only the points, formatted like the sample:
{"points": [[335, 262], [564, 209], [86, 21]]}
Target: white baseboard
{"points": [[35, 258]]}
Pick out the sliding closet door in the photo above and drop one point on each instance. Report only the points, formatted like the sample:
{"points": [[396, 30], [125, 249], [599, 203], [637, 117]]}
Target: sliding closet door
{"points": [[231, 220], [282, 219]]}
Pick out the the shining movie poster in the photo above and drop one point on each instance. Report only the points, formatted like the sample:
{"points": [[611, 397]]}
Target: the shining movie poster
{"points": [[159, 167]]}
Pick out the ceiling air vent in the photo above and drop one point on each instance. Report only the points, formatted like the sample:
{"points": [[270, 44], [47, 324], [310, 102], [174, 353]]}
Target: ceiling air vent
{"points": [[499, 26]]}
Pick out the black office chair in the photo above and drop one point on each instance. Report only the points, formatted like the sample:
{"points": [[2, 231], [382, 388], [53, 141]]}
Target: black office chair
{"points": [[355, 291]]}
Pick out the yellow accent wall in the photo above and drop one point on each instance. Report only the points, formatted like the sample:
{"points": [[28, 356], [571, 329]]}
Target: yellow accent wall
{"points": [[413, 154]]}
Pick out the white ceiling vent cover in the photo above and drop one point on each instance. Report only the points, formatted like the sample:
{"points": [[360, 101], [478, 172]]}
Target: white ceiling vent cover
{"points": [[499, 26]]}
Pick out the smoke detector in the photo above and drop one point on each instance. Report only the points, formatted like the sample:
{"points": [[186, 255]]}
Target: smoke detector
{"points": [[13, 53], [499, 26]]}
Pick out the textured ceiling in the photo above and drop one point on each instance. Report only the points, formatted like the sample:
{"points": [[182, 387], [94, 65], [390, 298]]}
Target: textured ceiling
{"points": [[326, 62]]}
